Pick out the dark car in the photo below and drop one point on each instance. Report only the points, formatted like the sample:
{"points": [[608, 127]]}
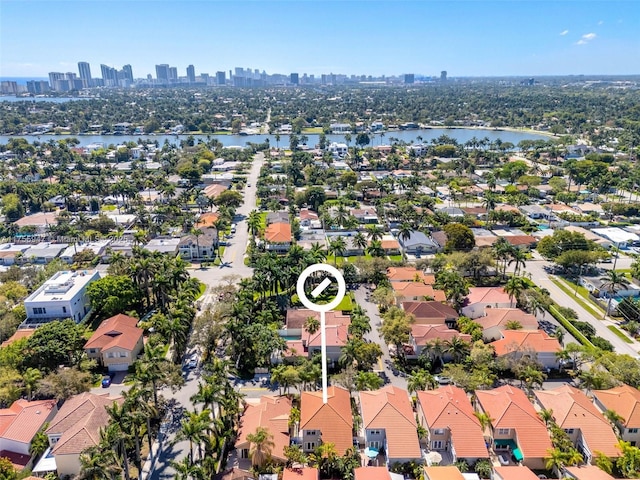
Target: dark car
{"points": [[106, 382]]}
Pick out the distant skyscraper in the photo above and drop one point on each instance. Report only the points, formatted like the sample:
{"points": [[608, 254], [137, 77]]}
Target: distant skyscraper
{"points": [[191, 74], [294, 79], [109, 76], [173, 74], [409, 78], [220, 78], [85, 74], [127, 73], [443, 76], [162, 73], [37, 87]]}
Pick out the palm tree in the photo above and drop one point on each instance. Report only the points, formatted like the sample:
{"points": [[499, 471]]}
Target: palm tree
{"points": [[519, 257], [614, 419], [484, 419], [613, 282], [405, 231], [312, 324], [546, 415], [557, 460], [193, 429], [262, 445], [186, 470], [254, 222], [457, 348], [31, 377], [514, 287], [420, 380], [360, 241], [337, 247], [374, 232], [375, 249]]}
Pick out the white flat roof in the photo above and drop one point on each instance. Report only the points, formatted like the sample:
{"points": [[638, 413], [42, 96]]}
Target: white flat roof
{"points": [[616, 235], [63, 286]]}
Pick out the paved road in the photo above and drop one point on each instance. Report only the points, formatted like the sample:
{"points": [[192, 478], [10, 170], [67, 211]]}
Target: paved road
{"points": [[542, 279], [371, 309], [233, 261]]}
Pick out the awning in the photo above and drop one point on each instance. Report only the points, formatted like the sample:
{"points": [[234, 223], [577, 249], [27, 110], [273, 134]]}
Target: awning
{"points": [[505, 442], [517, 453]]}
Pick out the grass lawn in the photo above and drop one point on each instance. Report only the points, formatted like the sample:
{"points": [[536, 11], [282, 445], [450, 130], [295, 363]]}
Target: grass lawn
{"points": [[263, 221], [346, 305], [203, 288], [619, 333], [582, 298], [312, 130], [108, 208], [395, 258]]}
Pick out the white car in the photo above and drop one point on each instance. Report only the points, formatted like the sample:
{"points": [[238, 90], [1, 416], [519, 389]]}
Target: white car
{"points": [[503, 460]]}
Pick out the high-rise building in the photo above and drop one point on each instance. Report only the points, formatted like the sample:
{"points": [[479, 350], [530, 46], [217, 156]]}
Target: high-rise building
{"points": [[127, 73], [443, 76], [37, 87], [409, 78], [162, 73], [85, 74], [9, 87], [220, 78], [294, 79], [54, 77], [191, 74], [109, 76], [173, 75]]}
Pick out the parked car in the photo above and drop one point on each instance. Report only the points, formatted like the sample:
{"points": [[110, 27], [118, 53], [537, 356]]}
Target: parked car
{"points": [[106, 382], [192, 363], [442, 380]]}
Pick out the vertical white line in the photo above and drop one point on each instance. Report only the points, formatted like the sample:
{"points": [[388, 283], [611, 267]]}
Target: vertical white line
{"points": [[323, 343]]}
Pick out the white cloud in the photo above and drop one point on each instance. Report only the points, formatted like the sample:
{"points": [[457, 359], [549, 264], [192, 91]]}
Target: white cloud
{"points": [[564, 32], [586, 38]]}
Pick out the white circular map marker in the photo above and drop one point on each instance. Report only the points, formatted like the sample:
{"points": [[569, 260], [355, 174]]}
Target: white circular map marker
{"points": [[322, 308]]}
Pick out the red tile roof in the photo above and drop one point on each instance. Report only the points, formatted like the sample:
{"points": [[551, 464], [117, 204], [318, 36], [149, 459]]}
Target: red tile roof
{"points": [[625, 401], [18, 335], [509, 407], [296, 317], [588, 472], [430, 312], [448, 472], [417, 289], [18, 460], [336, 336], [21, 421], [79, 422], [207, 219], [389, 408], [515, 472], [305, 473], [423, 334], [449, 407], [278, 232], [409, 274], [572, 409], [536, 340], [371, 473], [118, 331], [270, 412], [333, 419], [490, 295], [501, 316]]}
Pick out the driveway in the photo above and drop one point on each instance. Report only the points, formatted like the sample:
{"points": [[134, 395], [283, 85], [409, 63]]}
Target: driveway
{"points": [[371, 309]]}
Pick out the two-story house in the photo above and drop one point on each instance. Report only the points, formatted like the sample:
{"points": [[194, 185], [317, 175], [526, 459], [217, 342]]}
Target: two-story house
{"points": [[515, 425], [75, 428], [453, 427], [326, 422], [479, 298], [515, 344], [388, 423], [277, 237], [587, 428], [64, 295], [116, 343], [199, 247], [624, 401]]}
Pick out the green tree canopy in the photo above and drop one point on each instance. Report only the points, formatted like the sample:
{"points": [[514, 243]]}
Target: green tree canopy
{"points": [[114, 294]]}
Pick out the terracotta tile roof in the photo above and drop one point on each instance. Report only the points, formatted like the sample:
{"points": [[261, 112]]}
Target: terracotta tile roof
{"points": [[305, 473], [38, 219], [371, 473], [494, 317], [207, 219], [336, 336], [449, 407], [270, 412], [509, 407], [279, 232], [443, 473], [390, 244], [296, 317], [18, 335], [572, 409], [588, 472], [21, 421], [117, 331], [390, 408], [430, 312], [296, 348], [423, 334], [235, 474], [409, 274], [536, 340], [333, 419], [625, 401], [79, 421], [306, 214], [490, 295], [517, 240], [514, 472], [416, 289]]}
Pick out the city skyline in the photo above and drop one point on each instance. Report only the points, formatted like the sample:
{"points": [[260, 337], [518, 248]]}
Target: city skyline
{"points": [[466, 38]]}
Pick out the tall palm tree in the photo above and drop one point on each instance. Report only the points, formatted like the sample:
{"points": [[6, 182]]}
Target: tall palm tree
{"points": [[546, 415], [420, 380], [519, 257], [262, 445], [375, 249], [337, 247], [405, 230], [360, 241], [253, 222], [613, 282], [514, 288], [457, 348], [374, 232]]}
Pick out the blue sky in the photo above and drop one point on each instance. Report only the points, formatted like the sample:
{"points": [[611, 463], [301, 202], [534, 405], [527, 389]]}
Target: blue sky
{"points": [[466, 38]]}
